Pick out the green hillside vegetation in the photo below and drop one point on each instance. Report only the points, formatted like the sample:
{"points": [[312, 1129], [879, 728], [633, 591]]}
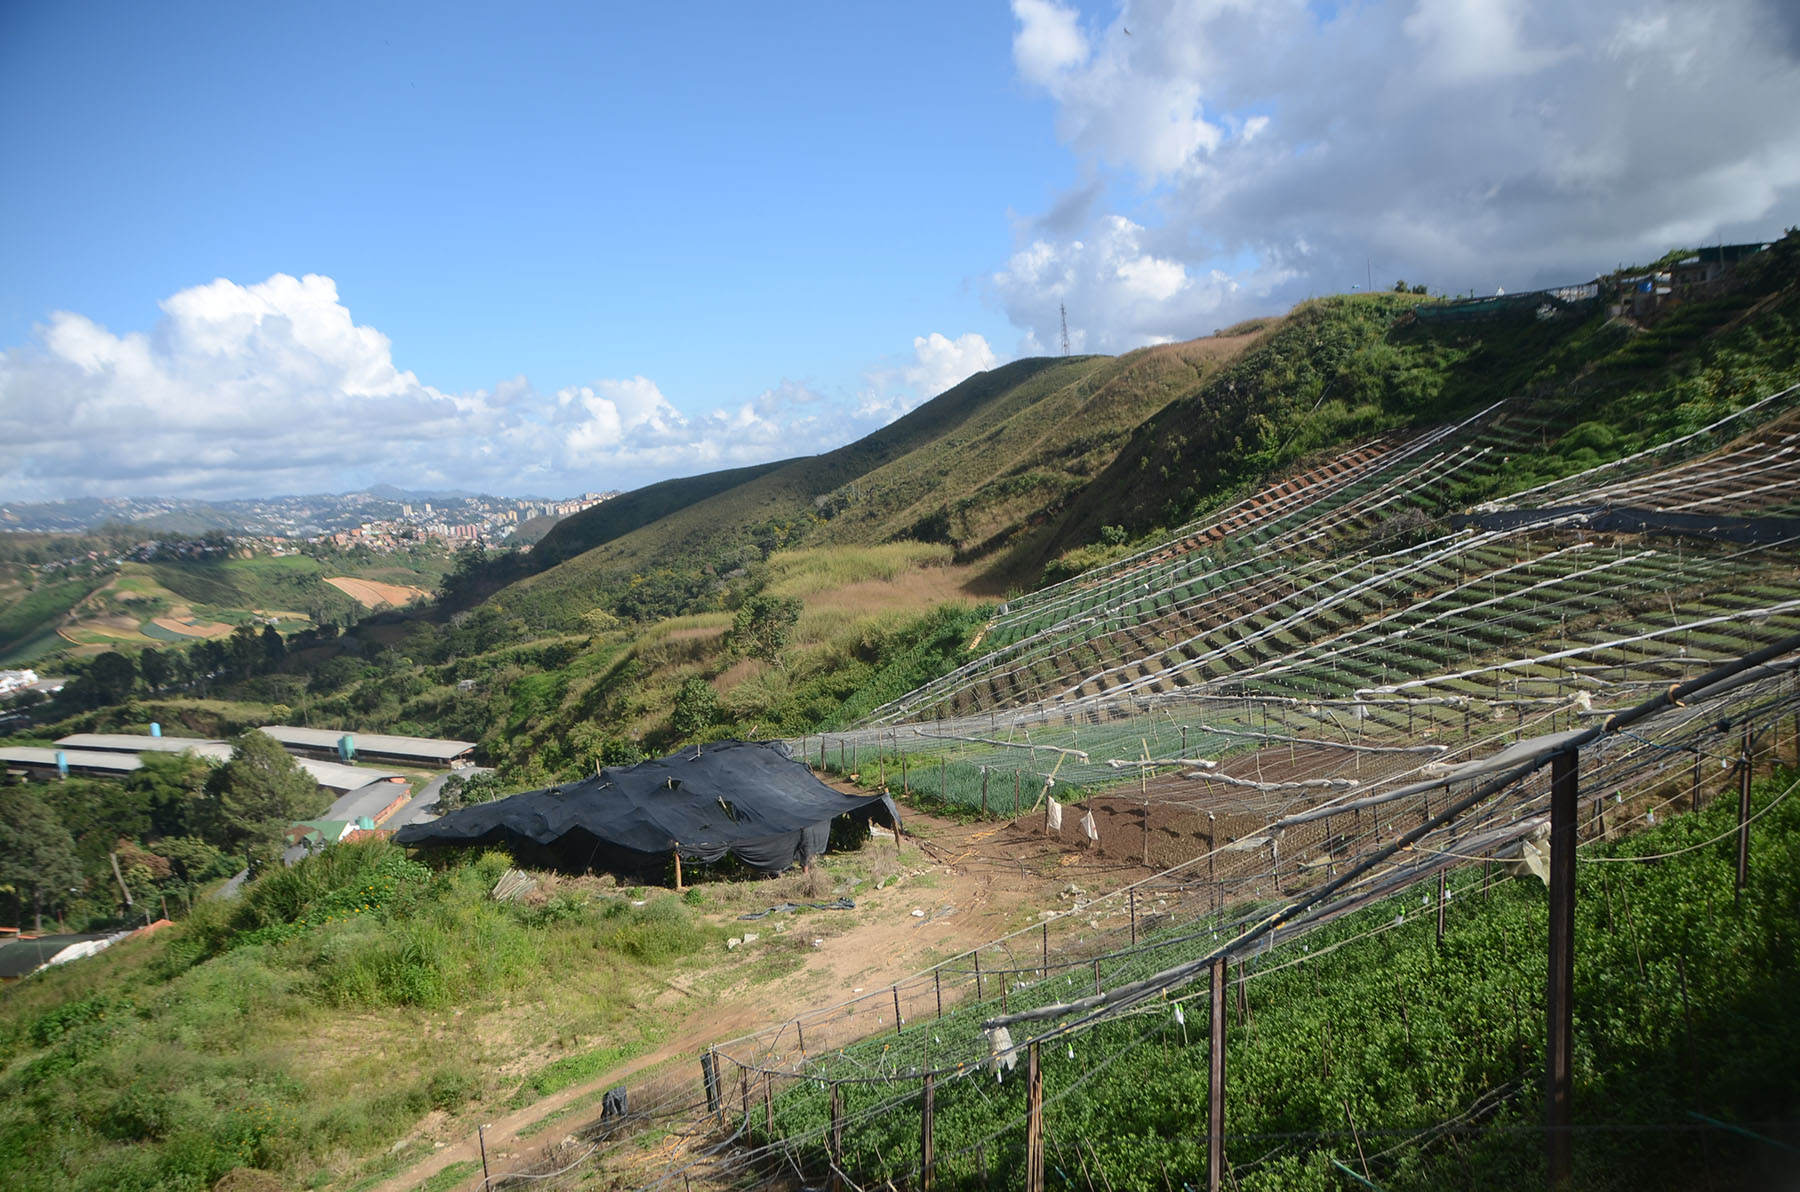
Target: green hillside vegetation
{"points": [[859, 630], [31, 616], [614, 518], [685, 561], [302, 1028]]}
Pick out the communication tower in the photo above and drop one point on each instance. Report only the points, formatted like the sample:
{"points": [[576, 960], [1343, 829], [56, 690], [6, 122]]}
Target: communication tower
{"points": [[1064, 312]]}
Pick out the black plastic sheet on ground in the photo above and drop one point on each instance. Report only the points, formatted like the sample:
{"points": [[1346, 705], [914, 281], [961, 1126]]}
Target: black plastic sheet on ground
{"points": [[1615, 520], [748, 800]]}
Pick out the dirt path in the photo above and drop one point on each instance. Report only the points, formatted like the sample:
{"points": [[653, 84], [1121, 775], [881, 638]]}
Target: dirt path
{"points": [[973, 883]]}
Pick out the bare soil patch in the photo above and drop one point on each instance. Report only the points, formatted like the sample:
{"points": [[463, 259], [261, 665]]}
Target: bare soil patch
{"points": [[181, 620], [373, 593]]}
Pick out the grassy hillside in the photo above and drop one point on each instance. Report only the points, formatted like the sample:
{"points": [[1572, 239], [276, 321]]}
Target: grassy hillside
{"points": [[302, 1028], [1014, 461], [619, 516], [683, 561]]}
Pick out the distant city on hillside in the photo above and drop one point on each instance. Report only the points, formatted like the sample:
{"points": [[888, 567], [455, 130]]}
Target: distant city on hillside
{"points": [[382, 512]]}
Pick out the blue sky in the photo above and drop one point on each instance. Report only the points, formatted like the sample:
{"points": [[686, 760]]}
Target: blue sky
{"points": [[548, 248]]}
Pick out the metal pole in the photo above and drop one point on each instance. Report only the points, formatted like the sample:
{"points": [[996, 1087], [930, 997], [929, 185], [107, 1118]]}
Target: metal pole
{"points": [[1559, 1049], [1215, 1084], [481, 1137]]}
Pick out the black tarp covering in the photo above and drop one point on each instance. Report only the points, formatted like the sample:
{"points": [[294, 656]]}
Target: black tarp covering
{"points": [[750, 800], [1619, 520]]}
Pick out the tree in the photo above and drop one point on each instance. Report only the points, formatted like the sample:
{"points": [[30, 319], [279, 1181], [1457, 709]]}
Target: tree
{"points": [[37, 855], [172, 785], [274, 649], [244, 648], [696, 708], [763, 625], [153, 664], [110, 679], [259, 793]]}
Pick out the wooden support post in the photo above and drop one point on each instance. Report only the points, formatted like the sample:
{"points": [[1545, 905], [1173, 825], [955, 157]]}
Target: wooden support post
{"points": [[1696, 795], [834, 1143], [937, 984], [927, 1159], [769, 1105], [905, 781], [1559, 1049], [1743, 829], [676, 849], [1440, 923], [1044, 969], [1600, 817], [896, 992], [1034, 1121], [1132, 895], [984, 778], [709, 1077], [1215, 1083], [1015, 792], [977, 957], [481, 1137], [1097, 990], [800, 1037], [744, 1083]]}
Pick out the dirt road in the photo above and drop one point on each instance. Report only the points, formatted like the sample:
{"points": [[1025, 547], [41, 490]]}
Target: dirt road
{"points": [[973, 883]]}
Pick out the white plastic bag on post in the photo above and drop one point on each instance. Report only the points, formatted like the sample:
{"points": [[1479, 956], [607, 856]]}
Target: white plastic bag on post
{"points": [[1054, 817]]}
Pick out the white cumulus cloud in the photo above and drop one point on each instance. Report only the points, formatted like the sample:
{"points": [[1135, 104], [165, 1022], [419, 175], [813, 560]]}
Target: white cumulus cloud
{"points": [[273, 387], [940, 362], [1238, 155]]}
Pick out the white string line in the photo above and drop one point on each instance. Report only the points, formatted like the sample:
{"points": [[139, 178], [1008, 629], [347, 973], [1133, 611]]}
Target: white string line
{"points": [[1701, 563]]}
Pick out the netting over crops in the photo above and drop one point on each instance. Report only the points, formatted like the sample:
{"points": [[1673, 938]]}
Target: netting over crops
{"points": [[1338, 870], [1179, 659]]}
